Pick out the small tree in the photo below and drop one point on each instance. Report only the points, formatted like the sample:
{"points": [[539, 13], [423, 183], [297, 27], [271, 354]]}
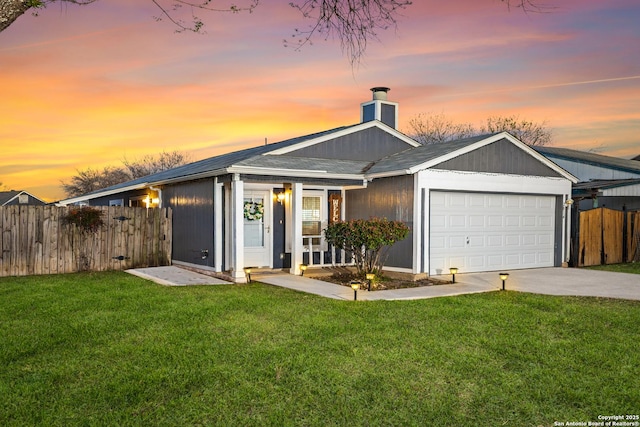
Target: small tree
{"points": [[368, 241]]}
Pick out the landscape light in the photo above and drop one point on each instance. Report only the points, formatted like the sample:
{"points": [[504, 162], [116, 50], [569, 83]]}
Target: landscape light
{"points": [[453, 271], [355, 286], [370, 277], [504, 277], [303, 268]]}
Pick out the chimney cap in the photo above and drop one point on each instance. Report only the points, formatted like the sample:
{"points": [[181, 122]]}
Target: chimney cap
{"points": [[380, 92]]}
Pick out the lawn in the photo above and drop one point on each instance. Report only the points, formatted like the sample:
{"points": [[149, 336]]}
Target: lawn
{"points": [[630, 267], [112, 349]]}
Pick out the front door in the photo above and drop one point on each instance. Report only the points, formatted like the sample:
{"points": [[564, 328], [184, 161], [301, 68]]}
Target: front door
{"points": [[257, 228]]}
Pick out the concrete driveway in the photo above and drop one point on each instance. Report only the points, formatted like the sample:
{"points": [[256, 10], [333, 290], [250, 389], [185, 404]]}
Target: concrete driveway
{"points": [[562, 281]]}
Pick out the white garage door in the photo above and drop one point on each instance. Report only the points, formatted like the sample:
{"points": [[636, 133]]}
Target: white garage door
{"points": [[489, 232]]}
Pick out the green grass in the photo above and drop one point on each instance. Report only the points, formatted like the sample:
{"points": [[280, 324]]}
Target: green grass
{"points": [[630, 267], [112, 349]]}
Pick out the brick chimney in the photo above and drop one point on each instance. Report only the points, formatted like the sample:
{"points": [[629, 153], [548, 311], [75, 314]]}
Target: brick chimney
{"points": [[380, 109]]}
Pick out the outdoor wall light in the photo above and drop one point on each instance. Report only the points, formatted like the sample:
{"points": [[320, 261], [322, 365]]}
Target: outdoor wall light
{"points": [[303, 268], [280, 197], [247, 272], [355, 286], [453, 271], [370, 278], [504, 277]]}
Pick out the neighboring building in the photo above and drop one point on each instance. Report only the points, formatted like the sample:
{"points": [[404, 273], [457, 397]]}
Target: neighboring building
{"points": [[13, 197], [486, 203], [604, 181]]}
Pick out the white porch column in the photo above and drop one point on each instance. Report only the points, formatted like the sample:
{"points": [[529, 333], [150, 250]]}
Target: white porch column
{"points": [[237, 230], [218, 233], [297, 247]]}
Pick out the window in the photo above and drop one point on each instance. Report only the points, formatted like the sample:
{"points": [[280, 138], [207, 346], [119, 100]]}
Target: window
{"points": [[311, 216], [116, 202]]}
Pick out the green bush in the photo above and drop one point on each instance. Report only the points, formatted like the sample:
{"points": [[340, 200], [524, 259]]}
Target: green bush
{"points": [[367, 241]]}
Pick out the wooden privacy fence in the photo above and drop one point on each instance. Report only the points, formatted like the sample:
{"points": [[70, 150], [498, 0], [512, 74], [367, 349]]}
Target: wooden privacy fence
{"points": [[36, 240], [607, 236]]}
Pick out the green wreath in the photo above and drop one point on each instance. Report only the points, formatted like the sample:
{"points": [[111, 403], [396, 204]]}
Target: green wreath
{"points": [[253, 211]]}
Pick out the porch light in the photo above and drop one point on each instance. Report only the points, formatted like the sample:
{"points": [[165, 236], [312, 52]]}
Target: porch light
{"points": [[280, 197], [303, 268], [453, 271], [247, 272], [504, 277], [370, 277], [355, 286]]}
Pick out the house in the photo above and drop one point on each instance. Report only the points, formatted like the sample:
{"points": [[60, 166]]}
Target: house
{"points": [[603, 181], [485, 203], [14, 197]]}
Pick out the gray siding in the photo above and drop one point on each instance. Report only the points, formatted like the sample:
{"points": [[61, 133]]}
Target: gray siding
{"points": [[390, 198], [125, 196], [500, 157], [192, 204], [369, 145], [388, 115]]}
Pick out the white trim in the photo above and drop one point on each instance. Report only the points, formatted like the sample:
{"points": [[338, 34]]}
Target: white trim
{"points": [[217, 225], [297, 246], [398, 269], [344, 132], [86, 197], [306, 173], [237, 230]]}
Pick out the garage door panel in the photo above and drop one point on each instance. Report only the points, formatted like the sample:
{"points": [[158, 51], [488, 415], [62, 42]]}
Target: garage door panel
{"points": [[485, 232]]}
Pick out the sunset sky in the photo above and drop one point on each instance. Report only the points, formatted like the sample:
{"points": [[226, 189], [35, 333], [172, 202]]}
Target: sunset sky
{"points": [[87, 86]]}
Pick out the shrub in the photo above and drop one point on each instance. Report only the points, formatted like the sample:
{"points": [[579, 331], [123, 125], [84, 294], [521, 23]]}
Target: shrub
{"points": [[368, 241], [86, 218]]}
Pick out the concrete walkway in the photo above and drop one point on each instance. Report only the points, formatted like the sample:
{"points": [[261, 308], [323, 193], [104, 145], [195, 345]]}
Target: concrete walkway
{"points": [[175, 276], [549, 281]]}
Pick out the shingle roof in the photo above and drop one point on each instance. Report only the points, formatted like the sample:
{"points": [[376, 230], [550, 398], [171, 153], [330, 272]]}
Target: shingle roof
{"points": [[590, 158], [215, 163], [418, 155], [605, 183]]}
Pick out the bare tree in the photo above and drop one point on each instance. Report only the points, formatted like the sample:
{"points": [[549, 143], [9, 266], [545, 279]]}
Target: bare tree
{"points": [[89, 180], [437, 128], [530, 133], [353, 22], [151, 164]]}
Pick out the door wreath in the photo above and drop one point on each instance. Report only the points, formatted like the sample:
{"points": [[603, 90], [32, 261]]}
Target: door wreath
{"points": [[253, 211]]}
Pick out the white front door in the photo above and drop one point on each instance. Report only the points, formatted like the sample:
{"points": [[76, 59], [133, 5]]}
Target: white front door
{"points": [[257, 228]]}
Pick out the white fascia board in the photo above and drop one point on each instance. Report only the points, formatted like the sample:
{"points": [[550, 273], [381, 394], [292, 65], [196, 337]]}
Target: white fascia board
{"points": [[389, 173], [485, 182], [84, 198], [344, 132], [491, 140], [207, 174], [254, 170]]}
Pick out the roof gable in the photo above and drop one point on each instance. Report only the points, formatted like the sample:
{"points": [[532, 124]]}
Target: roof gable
{"points": [[443, 156], [366, 141], [499, 157]]}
